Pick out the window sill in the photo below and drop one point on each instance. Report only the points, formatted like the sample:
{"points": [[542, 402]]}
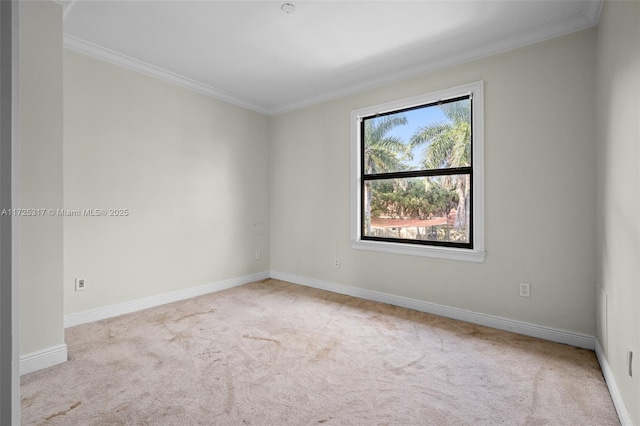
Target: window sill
{"points": [[425, 251]]}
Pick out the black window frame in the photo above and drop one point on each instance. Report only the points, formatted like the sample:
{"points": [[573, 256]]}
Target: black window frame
{"points": [[468, 170]]}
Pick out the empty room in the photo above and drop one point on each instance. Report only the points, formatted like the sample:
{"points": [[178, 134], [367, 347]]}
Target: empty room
{"points": [[320, 212]]}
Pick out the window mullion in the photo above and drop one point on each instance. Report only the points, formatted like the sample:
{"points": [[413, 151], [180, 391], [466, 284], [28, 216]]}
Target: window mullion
{"points": [[419, 173], [398, 206]]}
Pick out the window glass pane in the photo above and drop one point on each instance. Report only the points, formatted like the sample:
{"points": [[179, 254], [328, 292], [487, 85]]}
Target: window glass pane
{"points": [[386, 144], [431, 137], [423, 208]]}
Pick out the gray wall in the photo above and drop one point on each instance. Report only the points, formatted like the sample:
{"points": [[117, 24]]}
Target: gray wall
{"points": [[41, 293], [618, 194], [539, 196], [190, 169]]}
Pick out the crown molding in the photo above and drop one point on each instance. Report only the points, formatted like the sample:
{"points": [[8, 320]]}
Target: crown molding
{"points": [[108, 55], [592, 9], [67, 5], [588, 18]]}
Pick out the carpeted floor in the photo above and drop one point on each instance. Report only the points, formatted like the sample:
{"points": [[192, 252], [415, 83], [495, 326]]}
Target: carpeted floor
{"points": [[273, 353]]}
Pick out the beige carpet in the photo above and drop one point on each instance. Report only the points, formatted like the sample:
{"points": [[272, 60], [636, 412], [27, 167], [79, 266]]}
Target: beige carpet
{"points": [[273, 353]]}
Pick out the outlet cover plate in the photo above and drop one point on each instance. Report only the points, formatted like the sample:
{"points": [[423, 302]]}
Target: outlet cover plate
{"points": [[81, 284]]}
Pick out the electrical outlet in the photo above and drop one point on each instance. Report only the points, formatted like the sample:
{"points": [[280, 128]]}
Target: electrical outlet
{"points": [[524, 289], [336, 262], [81, 284], [630, 361], [258, 255]]}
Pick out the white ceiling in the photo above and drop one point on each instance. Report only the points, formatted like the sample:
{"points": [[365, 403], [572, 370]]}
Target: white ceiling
{"points": [[252, 54]]}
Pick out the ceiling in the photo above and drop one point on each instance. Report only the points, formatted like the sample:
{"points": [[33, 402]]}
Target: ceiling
{"points": [[252, 54]]}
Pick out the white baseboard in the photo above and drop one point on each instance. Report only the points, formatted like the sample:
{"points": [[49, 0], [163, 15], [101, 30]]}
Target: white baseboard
{"points": [[555, 335], [58, 354], [149, 302], [616, 396], [527, 329], [42, 359]]}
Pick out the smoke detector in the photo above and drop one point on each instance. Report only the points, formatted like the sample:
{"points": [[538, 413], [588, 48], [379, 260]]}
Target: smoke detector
{"points": [[288, 8]]}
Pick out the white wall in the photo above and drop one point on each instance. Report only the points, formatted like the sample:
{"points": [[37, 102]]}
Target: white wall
{"points": [[40, 62], [540, 198], [618, 195], [191, 170]]}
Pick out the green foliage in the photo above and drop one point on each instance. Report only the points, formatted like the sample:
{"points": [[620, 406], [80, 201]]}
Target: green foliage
{"points": [[448, 144], [411, 198], [384, 153], [445, 144]]}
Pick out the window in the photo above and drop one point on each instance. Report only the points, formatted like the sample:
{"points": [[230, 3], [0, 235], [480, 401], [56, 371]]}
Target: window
{"points": [[417, 180]]}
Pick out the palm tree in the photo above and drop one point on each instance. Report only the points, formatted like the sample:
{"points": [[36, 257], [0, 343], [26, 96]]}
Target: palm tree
{"points": [[448, 144], [382, 153]]}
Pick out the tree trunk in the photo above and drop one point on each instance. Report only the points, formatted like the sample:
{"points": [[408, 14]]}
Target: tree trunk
{"points": [[367, 208], [462, 188]]}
